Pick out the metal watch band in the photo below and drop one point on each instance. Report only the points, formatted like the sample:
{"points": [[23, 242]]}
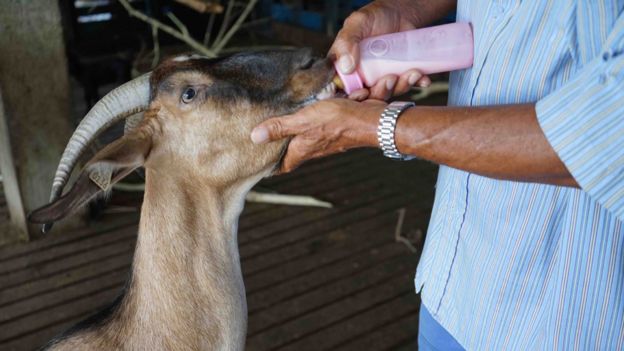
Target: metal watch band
{"points": [[387, 125]]}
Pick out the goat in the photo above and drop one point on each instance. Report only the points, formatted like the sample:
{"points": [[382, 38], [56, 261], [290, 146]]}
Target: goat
{"points": [[186, 288]]}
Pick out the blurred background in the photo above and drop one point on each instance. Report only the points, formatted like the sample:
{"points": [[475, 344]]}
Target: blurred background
{"points": [[317, 278]]}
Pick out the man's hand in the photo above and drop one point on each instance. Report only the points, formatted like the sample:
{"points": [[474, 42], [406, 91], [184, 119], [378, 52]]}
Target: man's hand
{"points": [[383, 17], [324, 128]]}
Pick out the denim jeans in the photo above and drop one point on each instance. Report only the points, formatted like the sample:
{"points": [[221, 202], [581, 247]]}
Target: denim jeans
{"points": [[432, 336]]}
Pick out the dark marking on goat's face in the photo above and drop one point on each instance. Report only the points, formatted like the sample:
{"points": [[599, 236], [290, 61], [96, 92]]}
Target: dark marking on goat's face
{"points": [[285, 77], [203, 110]]}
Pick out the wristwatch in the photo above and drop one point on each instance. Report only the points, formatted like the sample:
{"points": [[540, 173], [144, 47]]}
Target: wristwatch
{"points": [[387, 125]]}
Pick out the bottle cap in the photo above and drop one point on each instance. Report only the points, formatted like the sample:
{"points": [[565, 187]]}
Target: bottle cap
{"points": [[351, 82]]}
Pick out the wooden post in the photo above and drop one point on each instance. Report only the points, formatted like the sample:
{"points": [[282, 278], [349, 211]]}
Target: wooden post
{"points": [[35, 87]]}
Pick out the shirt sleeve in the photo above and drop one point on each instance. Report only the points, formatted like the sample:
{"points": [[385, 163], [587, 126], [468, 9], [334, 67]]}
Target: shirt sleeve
{"points": [[584, 122]]}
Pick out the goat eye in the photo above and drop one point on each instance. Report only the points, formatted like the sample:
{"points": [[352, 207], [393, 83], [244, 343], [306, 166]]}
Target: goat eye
{"points": [[188, 95]]}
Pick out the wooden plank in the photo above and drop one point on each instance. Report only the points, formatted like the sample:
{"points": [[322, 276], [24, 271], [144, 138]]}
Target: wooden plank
{"points": [[39, 304], [35, 260], [290, 287], [359, 325], [264, 263], [395, 179], [340, 197], [303, 231], [325, 187], [337, 310], [57, 314], [358, 241], [259, 301], [409, 344], [342, 175], [124, 244], [313, 171], [308, 302], [344, 200], [36, 339], [54, 239], [400, 335], [67, 277]]}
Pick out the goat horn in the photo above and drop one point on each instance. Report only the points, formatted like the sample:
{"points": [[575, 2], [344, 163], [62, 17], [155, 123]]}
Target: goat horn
{"points": [[124, 101]]}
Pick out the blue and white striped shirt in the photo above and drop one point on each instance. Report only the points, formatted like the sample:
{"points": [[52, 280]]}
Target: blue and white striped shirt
{"points": [[520, 266]]}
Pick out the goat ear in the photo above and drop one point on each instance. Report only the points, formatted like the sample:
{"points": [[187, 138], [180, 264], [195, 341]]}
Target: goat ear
{"points": [[107, 167]]}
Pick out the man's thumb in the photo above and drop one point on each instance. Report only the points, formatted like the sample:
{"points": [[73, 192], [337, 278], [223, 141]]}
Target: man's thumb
{"points": [[347, 54]]}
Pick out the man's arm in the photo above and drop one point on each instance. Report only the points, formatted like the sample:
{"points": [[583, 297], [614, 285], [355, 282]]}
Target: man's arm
{"points": [[503, 142]]}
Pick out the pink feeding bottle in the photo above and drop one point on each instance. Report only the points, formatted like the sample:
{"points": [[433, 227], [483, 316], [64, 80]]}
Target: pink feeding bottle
{"points": [[435, 49]]}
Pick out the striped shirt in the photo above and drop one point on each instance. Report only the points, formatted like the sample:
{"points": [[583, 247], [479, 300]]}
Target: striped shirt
{"points": [[519, 266]]}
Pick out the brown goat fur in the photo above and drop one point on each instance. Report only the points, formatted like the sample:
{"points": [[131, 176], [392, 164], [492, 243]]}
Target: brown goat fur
{"points": [[186, 290]]}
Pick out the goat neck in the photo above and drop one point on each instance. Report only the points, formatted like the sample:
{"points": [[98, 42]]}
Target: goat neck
{"points": [[187, 283]]}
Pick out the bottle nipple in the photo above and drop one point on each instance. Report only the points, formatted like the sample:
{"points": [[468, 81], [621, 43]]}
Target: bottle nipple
{"points": [[338, 82]]}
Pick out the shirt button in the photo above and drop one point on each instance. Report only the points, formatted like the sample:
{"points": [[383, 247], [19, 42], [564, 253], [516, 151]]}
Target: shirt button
{"points": [[606, 55]]}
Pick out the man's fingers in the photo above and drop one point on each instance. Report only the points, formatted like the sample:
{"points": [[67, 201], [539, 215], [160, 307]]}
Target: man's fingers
{"points": [[295, 156], [273, 129], [359, 95], [383, 89], [406, 81], [424, 82]]}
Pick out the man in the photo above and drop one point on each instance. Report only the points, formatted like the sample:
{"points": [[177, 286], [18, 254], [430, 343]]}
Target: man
{"points": [[525, 248]]}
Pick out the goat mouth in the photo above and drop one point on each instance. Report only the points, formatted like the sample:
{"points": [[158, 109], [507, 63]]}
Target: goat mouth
{"points": [[327, 92]]}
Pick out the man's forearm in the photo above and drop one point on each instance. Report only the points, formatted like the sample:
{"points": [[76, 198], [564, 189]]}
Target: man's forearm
{"points": [[503, 142]]}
